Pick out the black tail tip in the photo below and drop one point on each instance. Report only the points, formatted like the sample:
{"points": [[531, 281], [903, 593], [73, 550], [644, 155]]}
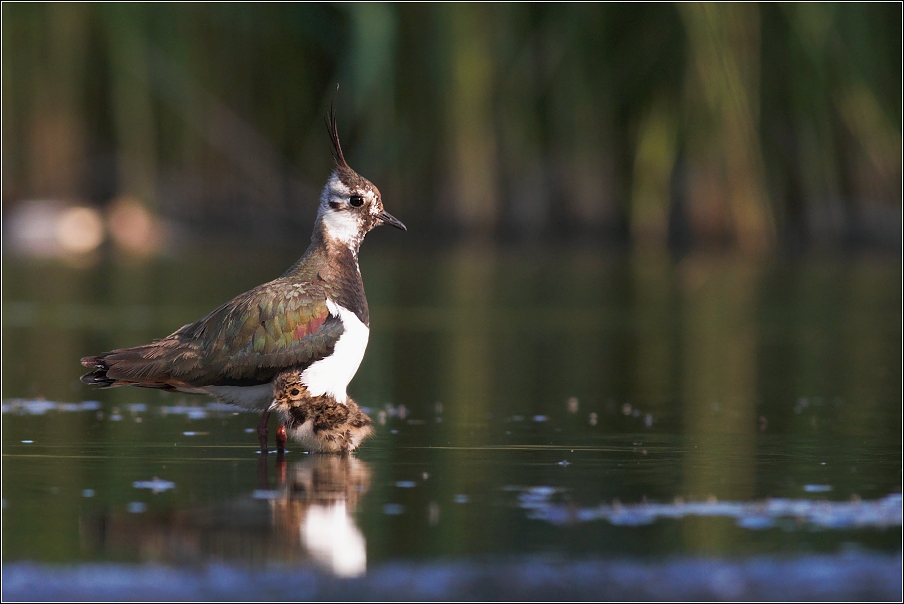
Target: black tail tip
{"points": [[98, 377]]}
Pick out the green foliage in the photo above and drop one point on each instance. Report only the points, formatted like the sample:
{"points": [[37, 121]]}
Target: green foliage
{"points": [[736, 124]]}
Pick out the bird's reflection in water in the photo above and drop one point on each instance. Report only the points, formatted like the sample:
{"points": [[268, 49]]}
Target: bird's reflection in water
{"points": [[316, 501], [308, 516]]}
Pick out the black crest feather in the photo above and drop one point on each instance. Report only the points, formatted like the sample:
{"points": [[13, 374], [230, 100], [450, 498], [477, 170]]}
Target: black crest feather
{"points": [[331, 127]]}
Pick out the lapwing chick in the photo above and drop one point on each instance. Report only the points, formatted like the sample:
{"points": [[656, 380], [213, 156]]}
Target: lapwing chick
{"points": [[320, 423], [312, 324]]}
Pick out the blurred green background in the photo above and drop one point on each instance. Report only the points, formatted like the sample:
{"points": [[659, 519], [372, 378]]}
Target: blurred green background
{"points": [[158, 159], [757, 126]]}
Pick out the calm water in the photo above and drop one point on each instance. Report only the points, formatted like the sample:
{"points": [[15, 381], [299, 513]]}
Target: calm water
{"points": [[531, 404]]}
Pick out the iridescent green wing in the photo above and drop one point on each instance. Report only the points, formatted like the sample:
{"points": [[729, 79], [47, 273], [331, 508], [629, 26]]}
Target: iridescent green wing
{"points": [[247, 341]]}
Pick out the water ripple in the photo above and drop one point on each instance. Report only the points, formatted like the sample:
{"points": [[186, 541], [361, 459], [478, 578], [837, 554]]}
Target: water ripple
{"points": [[879, 513]]}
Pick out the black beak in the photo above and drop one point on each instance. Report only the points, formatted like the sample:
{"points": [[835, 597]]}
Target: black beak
{"points": [[387, 218]]}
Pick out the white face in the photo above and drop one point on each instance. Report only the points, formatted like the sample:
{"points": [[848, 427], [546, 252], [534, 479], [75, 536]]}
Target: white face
{"points": [[348, 213]]}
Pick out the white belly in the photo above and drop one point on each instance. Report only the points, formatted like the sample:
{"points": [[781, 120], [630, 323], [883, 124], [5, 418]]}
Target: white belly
{"points": [[330, 376], [249, 397], [304, 435]]}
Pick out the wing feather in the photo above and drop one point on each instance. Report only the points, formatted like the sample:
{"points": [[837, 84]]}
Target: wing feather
{"points": [[244, 342]]}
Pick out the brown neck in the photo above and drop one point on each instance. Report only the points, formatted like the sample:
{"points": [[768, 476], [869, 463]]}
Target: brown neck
{"points": [[334, 266]]}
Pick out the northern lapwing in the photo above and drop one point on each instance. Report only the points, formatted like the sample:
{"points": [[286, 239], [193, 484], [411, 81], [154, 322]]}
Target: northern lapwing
{"points": [[291, 345]]}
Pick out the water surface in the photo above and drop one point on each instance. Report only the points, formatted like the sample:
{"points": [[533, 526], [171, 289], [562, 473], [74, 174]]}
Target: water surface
{"points": [[531, 405]]}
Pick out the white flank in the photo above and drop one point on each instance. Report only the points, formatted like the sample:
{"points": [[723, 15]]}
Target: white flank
{"points": [[331, 375], [249, 397]]}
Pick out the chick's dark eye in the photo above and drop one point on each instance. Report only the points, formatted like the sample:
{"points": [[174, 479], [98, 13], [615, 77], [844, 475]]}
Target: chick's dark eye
{"points": [[356, 201]]}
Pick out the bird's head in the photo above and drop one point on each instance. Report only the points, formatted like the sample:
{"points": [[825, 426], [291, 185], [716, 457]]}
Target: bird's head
{"points": [[350, 205]]}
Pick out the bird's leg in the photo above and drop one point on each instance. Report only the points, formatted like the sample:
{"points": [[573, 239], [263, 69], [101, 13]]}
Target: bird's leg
{"points": [[281, 439], [262, 432]]}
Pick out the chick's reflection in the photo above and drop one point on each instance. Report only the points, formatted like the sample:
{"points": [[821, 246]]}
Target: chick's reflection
{"points": [[317, 500], [307, 517]]}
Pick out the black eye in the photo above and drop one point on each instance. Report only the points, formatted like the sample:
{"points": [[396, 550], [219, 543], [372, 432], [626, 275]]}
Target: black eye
{"points": [[356, 201], [294, 392]]}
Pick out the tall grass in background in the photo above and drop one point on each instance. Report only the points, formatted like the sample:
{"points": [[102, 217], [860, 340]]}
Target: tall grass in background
{"points": [[737, 125]]}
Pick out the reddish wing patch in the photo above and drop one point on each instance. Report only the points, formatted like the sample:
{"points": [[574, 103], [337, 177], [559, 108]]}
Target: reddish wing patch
{"points": [[311, 326]]}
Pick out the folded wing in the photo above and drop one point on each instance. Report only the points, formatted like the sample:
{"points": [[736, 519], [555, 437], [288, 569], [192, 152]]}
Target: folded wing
{"points": [[242, 343]]}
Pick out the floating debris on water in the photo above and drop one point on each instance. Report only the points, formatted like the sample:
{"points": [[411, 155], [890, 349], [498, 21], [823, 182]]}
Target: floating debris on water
{"points": [[136, 507], [756, 522], [218, 407], [156, 485], [87, 493], [879, 513], [532, 496], [393, 509], [193, 433], [573, 404], [265, 494], [817, 488], [433, 511], [27, 442], [406, 484], [389, 410], [461, 498], [202, 411], [40, 406], [540, 418], [190, 412]]}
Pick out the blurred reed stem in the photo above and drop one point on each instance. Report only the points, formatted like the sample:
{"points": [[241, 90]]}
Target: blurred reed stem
{"points": [[739, 125]]}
